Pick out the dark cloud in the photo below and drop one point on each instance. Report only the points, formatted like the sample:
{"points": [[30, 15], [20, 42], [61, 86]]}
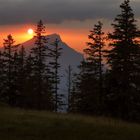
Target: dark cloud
{"points": [[56, 11]]}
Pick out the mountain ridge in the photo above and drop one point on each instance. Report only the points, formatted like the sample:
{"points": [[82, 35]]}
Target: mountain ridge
{"points": [[69, 57]]}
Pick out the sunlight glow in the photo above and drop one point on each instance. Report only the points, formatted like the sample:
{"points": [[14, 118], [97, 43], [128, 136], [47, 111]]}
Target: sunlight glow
{"points": [[30, 31]]}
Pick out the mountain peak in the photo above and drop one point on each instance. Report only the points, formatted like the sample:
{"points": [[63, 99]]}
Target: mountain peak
{"points": [[53, 37], [69, 57]]}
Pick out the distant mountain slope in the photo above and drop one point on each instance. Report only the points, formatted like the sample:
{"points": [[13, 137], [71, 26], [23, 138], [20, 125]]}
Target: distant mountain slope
{"points": [[69, 57]]}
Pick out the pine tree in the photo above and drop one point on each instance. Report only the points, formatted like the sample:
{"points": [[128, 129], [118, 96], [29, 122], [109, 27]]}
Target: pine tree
{"points": [[29, 92], [21, 62], [90, 79], [15, 78], [9, 52], [39, 56], [124, 66], [54, 54], [2, 76], [95, 55], [86, 95], [73, 97], [69, 86]]}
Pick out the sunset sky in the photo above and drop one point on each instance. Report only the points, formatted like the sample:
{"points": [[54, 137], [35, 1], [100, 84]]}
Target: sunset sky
{"points": [[71, 19]]}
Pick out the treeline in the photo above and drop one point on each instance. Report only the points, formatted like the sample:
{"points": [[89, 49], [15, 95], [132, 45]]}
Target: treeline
{"points": [[29, 80], [109, 80]]}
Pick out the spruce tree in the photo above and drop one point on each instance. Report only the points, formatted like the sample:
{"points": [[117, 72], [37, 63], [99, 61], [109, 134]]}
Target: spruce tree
{"points": [[69, 73], [73, 96], [86, 93], [39, 56], [2, 76], [54, 54], [9, 52], [90, 79], [95, 55], [29, 92], [123, 98], [21, 62], [15, 78]]}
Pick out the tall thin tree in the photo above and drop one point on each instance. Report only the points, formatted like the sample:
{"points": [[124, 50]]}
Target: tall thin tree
{"points": [[69, 85], [9, 51], [39, 55], [55, 54], [95, 54]]}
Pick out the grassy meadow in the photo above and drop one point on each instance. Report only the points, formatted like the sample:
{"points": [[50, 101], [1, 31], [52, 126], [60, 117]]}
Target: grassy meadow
{"points": [[16, 124]]}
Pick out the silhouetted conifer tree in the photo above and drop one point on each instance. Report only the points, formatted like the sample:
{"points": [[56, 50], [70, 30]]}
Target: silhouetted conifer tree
{"points": [[39, 56], [54, 54], [2, 76], [9, 56], [94, 57], [69, 76], [21, 62], [123, 60], [29, 93], [87, 96], [90, 79]]}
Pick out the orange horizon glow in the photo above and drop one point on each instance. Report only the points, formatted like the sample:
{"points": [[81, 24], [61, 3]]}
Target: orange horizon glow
{"points": [[74, 39], [19, 33], [73, 35]]}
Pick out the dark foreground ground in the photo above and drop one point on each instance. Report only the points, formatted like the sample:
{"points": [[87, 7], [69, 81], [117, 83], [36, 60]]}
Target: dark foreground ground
{"points": [[16, 124]]}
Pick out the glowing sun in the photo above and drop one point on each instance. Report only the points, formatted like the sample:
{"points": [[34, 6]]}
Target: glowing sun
{"points": [[30, 31]]}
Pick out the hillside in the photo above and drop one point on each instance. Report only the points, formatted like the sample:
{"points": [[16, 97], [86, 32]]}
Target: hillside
{"points": [[18, 124]]}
